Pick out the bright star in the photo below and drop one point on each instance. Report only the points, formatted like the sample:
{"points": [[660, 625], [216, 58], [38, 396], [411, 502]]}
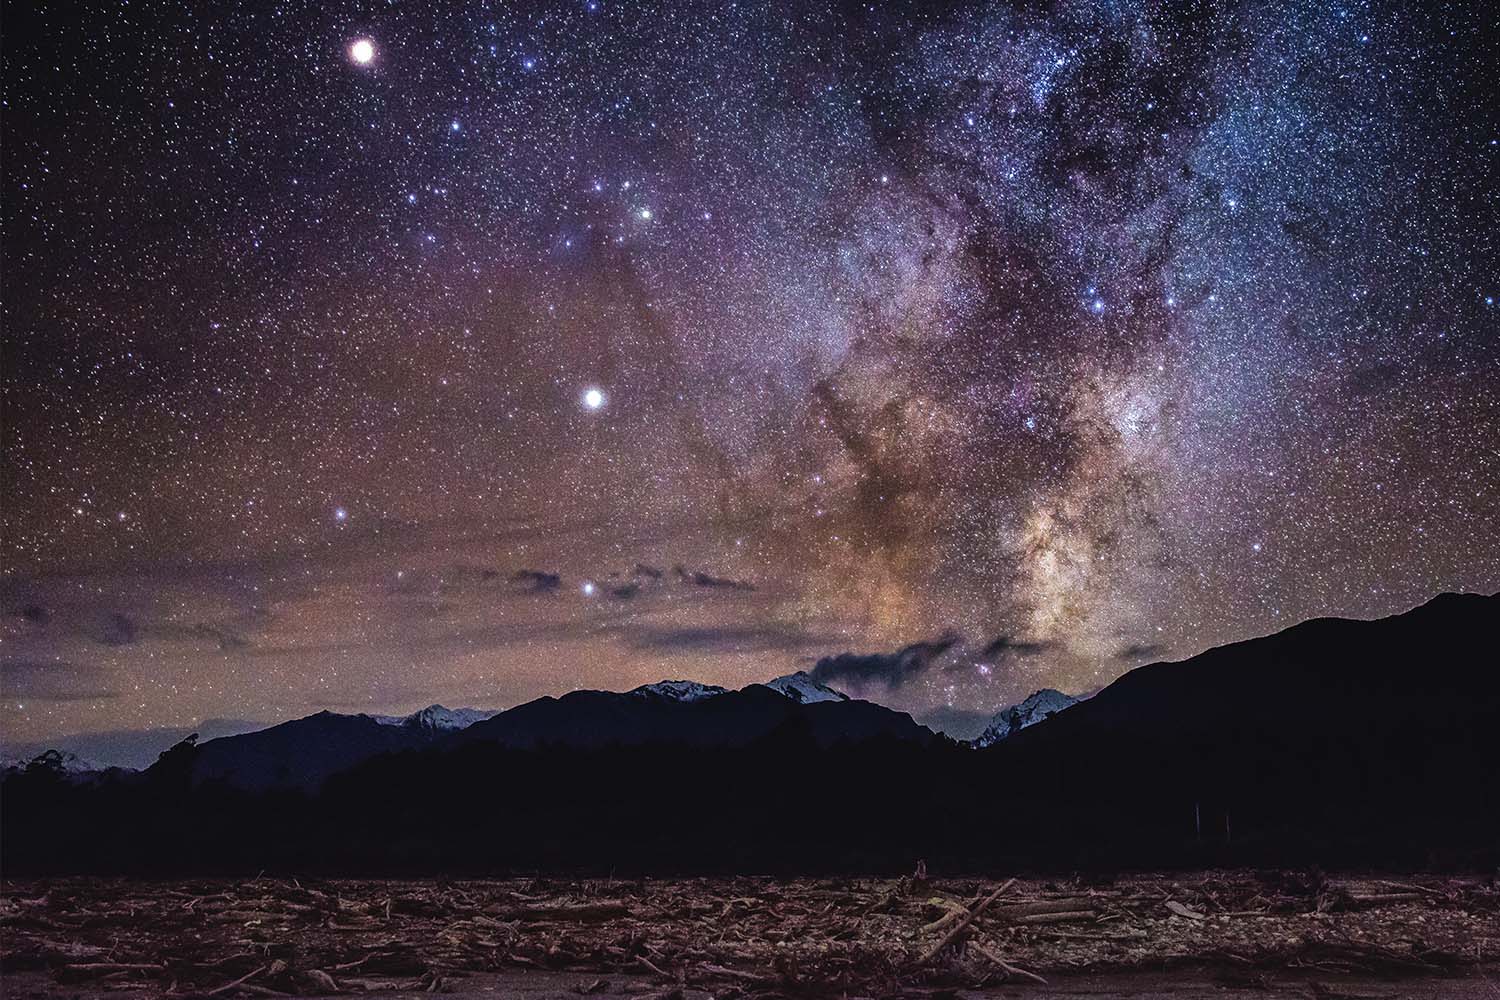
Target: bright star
{"points": [[593, 398], [362, 51], [340, 514], [588, 588]]}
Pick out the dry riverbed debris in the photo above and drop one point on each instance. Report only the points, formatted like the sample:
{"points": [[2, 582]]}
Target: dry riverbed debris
{"points": [[736, 937]]}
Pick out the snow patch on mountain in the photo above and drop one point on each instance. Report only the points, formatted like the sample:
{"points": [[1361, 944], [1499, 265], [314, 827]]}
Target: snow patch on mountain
{"points": [[679, 690], [1013, 719], [438, 718], [801, 688]]}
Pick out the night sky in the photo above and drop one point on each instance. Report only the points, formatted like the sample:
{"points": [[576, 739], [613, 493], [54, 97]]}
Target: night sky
{"points": [[365, 356]]}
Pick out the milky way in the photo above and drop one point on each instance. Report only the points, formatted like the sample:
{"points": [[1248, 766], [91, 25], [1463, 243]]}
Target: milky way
{"points": [[364, 357]]}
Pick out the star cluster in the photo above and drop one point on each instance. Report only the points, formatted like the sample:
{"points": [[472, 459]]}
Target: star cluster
{"points": [[369, 355]]}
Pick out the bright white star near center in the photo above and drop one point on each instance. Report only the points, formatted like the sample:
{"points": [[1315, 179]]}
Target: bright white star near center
{"points": [[593, 398], [362, 51]]}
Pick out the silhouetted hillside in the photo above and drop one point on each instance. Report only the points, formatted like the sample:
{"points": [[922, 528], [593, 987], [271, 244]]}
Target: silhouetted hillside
{"points": [[303, 753], [1335, 742], [1362, 732], [594, 719]]}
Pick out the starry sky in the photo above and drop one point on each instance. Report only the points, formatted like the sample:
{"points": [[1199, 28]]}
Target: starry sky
{"points": [[360, 356]]}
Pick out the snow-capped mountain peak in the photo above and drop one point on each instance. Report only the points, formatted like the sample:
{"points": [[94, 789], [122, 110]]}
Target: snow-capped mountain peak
{"points": [[1034, 709], [679, 690], [801, 688], [438, 718]]}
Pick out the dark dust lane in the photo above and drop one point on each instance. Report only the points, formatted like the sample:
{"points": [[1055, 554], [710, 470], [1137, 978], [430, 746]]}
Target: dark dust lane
{"points": [[1263, 934]]}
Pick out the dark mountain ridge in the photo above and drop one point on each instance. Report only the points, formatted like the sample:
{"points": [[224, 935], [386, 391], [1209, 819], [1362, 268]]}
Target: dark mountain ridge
{"points": [[597, 719], [304, 753], [1434, 663], [1360, 732], [1335, 742]]}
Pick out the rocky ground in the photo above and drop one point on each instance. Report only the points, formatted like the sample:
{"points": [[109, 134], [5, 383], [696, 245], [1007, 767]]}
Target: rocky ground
{"points": [[752, 937]]}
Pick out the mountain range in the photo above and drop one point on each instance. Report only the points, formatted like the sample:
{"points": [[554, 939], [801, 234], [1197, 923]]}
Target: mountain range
{"points": [[304, 752], [1334, 741]]}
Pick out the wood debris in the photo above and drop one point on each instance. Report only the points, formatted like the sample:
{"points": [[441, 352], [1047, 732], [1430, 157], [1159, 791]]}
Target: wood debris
{"points": [[735, 936]]}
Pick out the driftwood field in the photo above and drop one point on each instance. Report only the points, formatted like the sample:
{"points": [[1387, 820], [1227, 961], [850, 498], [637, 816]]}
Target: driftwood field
{"points": [[732, 937]]}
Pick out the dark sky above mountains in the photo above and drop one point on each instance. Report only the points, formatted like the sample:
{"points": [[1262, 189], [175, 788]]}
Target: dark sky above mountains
{"points": [[530, 346]]}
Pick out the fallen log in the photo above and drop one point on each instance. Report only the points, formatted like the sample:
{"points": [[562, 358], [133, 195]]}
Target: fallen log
{"points": [[652, 967], [951, 911], [721, 971], [238, 982], [1182, 910], [1020, 911], [103, 968], [963, 924], [1010, 970]]}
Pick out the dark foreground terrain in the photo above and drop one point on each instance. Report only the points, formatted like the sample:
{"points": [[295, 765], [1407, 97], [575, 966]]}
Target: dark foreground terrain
{"points": [[1225, 934]]}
